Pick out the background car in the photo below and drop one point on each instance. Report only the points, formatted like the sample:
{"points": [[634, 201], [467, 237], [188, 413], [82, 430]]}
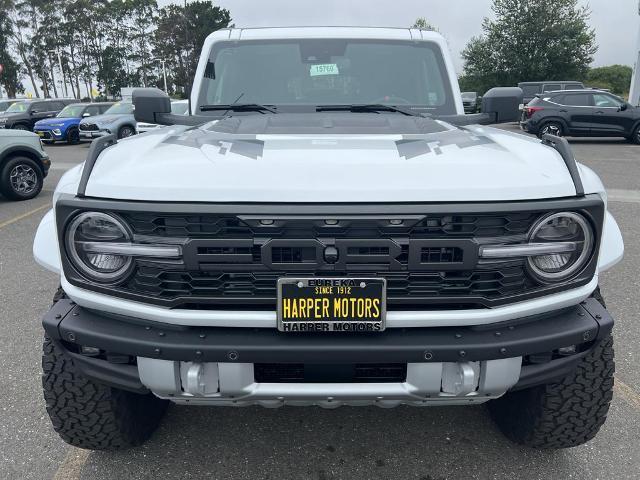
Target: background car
{"points": [[24, 114], [582, 113], [118, 119], [23, 164], [178, 107], [531, 89], [471, 102], [65, 125], [4, 104]]}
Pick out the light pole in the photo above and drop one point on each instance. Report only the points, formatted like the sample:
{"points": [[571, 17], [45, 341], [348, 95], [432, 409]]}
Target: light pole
{"points": [[164, 76], [64, 80], [634, 94]]}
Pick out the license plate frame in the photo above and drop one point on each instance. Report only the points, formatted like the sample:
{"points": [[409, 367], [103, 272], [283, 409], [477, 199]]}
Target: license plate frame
{"points": [[297, 288]]}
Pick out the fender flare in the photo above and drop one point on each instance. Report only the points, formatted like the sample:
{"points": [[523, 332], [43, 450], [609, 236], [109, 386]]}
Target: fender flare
{"points": [[26, 150]]}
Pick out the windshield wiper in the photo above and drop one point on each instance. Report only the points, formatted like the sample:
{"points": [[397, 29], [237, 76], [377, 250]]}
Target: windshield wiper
{"points": [[374, 107], [239, 107]]}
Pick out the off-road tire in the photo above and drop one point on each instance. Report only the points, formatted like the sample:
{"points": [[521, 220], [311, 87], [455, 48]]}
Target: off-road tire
{"points": [[6, 187], [93, 416], [564, 414], [552, 127]]}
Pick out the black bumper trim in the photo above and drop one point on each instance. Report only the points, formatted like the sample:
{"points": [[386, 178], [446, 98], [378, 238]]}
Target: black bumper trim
{"points": [[584, 323]]}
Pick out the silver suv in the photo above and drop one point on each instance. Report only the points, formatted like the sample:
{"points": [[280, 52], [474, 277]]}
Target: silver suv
{"points": [[118, 120], [23, 164]]}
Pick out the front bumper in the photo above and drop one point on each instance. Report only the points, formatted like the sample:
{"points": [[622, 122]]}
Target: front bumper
{"points": [[49, 134], [91, 134], [216, 365]]}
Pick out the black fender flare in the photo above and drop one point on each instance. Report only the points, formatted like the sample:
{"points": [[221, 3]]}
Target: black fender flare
{"points": [[25, 150]]}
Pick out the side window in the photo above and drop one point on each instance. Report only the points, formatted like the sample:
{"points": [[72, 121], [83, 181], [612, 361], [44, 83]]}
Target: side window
{"points": [[103, 108], [54, 106], [39, 107], [606, 101], [530, 90], [92, 110], [577, 100], [573, 86], [551, 87]]}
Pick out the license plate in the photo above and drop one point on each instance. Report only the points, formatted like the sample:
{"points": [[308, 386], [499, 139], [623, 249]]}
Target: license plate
{"points": [[331, 304], [40, 134]]}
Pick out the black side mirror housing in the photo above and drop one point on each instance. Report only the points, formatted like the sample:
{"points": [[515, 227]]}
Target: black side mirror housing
{"points": [[149, 104], [152, 105], [502, 104], [623, 107]]}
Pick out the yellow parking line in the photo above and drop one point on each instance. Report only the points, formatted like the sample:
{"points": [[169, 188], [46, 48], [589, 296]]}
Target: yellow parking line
{"points": [[23, 216], [628, 393], [71, 467]]}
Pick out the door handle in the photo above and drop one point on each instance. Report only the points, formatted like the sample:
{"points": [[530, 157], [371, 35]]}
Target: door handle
{"points": [[600, 112]]}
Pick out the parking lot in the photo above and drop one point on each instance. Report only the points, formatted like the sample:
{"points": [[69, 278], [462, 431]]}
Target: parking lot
{"points": [[310, 443]]}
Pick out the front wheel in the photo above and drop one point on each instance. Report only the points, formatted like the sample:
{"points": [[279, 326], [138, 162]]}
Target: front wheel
{"points": [[20, 127], [563, 414], [73, 137], [553, 128], [635, 137], [93, 416], [21, 178], [126, 131]]}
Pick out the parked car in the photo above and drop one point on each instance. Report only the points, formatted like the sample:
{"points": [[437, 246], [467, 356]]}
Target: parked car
{"points": [[333, 239], [178, 107], [4, 104], [471, 102], [24, 114], [65, 125], [23, 164], [118, 119], [531, 89], [582, 113]]}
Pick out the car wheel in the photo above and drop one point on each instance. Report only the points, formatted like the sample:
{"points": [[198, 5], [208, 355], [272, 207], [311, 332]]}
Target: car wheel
{"points": [[20, 127], [552, 128], [90, 415], [73, 137], [563, 414], [21, 179], [126, 131], [635, 138]]}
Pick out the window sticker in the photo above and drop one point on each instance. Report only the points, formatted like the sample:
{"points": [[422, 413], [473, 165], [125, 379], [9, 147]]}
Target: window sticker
{"points": [[324, 69]]}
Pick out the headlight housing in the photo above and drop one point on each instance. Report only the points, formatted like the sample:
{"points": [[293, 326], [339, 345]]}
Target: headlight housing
{"points": [[571, 229], [90, 228]]}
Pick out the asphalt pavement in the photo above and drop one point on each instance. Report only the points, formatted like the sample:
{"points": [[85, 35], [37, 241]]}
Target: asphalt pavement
{"points": [[310, 443]]}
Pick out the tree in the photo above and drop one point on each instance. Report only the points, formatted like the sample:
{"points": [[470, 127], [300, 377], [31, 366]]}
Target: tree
{"points": [[530, 40], [423, 24], [180, 35], [616, 78], [10, 76]]}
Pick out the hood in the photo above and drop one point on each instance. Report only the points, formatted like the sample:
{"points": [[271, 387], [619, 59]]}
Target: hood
{"points": [[327, 159], [47, 122], [103, 119]]}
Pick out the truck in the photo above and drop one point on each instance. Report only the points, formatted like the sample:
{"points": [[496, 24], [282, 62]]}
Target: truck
{"points": [[327, 227]]}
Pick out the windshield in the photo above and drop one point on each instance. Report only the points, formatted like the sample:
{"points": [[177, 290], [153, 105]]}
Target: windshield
{"points": [[328, 72], [18, 107], [120, 108], [71, 111], [179, 108]]}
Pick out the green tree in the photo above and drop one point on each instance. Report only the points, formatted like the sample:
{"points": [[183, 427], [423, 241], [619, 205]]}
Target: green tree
{"points": [[10, 76], [616, 78], [423, 24], [530, 40], [179, 37]]}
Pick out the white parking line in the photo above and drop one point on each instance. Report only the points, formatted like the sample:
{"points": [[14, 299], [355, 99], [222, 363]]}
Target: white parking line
{"points": [[24, 215], [71, 467], [630, 196], [62, 166]]}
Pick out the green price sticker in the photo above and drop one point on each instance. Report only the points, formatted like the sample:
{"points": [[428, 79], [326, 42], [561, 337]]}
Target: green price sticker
{"points": [[324, 69]]}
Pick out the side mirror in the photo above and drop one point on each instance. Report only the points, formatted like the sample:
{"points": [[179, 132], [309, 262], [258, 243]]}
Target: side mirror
{"points": [[33, 112], [86, 114], [502, 104], [152, 105], [623, 107]]}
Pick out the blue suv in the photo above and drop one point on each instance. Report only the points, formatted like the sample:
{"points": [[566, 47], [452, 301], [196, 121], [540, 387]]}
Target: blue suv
{"points": [[64, 126]]}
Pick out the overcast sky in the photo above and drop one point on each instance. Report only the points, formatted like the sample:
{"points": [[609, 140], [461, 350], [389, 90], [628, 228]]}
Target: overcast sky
{"points": [[616, 21]]}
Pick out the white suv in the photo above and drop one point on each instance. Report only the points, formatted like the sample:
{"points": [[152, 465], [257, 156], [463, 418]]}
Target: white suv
{"points": [[328, 228]]}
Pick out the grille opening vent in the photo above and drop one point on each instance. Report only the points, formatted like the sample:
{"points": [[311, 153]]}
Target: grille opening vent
{"points": [[293, 255], [330, 373], [224, 250], [442, 255], [380, 251]]}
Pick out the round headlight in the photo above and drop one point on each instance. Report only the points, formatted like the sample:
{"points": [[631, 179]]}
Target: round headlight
{"points": [[566, 227], [90, 228]]}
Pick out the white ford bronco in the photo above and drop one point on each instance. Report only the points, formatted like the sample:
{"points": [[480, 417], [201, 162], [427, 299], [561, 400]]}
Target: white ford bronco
{"points": [[328, 228]]}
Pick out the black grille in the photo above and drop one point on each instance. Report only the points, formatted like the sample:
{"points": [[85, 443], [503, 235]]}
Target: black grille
{"points": [[349, 373], [88, 126]]}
